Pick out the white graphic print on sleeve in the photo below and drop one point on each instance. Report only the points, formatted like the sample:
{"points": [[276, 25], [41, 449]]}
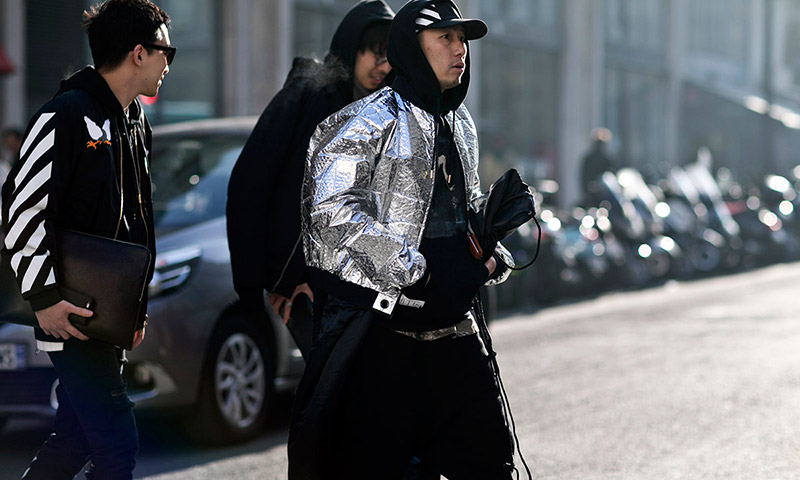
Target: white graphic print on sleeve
{"points": [[27, 204]]}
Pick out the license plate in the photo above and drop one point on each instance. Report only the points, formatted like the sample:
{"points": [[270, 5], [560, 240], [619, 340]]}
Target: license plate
{"points": [[12, 356]]}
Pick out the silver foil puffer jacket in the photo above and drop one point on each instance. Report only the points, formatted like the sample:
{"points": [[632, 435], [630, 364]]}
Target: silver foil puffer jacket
{"points": [[367, 191]]}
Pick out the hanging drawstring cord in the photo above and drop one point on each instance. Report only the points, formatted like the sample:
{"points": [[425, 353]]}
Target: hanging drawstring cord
{"points": [[505, 403], [538, 245]]}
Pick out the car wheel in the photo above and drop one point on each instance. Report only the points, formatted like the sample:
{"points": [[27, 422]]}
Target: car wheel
{"points": [[705, 257], [236, 386]]}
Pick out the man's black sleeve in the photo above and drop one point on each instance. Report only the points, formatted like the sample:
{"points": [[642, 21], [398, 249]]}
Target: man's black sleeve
{"points": [[32, 196], [251, 193]]}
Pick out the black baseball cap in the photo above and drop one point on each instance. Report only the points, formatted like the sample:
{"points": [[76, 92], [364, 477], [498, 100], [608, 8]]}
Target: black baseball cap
{"points": [[445, 14]]}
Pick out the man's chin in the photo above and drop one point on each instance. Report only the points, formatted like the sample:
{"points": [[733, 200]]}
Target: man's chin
{"points": [[450, 84], [372, 87]]}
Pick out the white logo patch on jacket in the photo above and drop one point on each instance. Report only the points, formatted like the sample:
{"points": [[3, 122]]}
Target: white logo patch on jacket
{"points": [[100, 136]]}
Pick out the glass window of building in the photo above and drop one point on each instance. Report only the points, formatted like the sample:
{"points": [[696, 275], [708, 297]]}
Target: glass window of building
{"points": [[518, 111], [315, 22], [636, 39], [537, 13], [719, 34], [55, 47], [191, 89], [787, 68], [536, 20], [636, 113], [636, 29]]}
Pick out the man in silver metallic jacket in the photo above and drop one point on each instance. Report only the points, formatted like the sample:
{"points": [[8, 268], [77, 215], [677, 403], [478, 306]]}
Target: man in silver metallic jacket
{"points": [[397, 370]]}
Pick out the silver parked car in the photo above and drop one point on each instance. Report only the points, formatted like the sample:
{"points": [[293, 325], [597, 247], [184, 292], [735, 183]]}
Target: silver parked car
{"points": [[202, 354]]}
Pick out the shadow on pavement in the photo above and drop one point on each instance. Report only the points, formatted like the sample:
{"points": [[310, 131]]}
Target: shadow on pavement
{"points": [[164, 447]]}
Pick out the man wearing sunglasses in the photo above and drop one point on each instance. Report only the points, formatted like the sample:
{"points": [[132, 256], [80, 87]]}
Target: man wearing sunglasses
{"points": [[84, 166]]}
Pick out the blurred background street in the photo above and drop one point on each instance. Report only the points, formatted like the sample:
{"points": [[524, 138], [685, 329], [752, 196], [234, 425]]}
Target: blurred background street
{"points": [[665, 76], [689, 380], [654, 338]]}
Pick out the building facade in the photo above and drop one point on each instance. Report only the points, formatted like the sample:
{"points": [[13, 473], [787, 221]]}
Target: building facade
{"points": [[666, 76]]}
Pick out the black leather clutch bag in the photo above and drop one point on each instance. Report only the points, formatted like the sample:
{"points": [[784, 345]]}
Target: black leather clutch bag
{"points": [[107, 276]]}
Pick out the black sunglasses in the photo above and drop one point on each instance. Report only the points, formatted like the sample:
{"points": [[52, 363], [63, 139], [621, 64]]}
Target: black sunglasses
{"points": [[170, 51]]}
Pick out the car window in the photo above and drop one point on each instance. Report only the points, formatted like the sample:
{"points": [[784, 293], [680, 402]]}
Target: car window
{"points": [[190, 177]]}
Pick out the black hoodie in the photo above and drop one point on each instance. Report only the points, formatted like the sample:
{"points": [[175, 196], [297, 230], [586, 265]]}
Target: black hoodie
{"points": [[453, 276], [416, 81], [68, 177], [263, 210], [345, 41]]}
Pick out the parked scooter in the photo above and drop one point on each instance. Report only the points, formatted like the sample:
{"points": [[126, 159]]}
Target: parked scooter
{"points": [[765, 217], [715, 220], [648, 258], [551, 277], [702, 246], [667, 252], [779, 196]]}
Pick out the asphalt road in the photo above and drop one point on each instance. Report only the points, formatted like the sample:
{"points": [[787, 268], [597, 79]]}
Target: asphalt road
{"points": [[690, 380]]}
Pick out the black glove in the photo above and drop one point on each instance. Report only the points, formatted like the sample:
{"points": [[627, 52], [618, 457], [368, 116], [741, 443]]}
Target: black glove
{"points": [[450, 284], [496, 215]]}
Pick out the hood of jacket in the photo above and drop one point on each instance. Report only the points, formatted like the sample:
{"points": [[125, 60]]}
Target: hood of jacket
{"points": [[416, 80], [344, 44], [90, 81]]}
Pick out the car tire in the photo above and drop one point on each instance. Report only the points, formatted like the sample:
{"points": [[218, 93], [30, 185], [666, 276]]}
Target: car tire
{"points": [[237, 385]]}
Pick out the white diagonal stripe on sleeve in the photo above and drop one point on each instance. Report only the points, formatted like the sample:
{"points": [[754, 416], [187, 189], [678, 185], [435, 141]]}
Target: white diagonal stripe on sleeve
{"points": [[33, 271], [34, 242], [35, 184], [37, 127], [22, 222], [16, 259], [43, 146], [430, 13], [51, 279]]}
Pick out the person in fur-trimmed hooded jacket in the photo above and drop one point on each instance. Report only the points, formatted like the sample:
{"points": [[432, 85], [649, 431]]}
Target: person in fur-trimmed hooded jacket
{"points": [[263, 210], [398, 370]]}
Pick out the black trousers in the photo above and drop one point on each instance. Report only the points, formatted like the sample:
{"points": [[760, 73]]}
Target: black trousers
{"points": [[434, 400], [94, 420]]}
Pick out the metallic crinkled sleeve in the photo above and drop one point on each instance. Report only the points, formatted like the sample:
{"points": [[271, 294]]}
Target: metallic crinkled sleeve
{"points": [[505, 256], [354, 226], [464, 129]]}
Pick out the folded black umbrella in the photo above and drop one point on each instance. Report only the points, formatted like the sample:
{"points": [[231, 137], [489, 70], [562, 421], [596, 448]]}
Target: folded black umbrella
{"points": [[496, 215]]}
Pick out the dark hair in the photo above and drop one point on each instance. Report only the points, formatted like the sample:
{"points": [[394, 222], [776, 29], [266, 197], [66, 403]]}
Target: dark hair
{"points": [[374, 38], [115, 28]]}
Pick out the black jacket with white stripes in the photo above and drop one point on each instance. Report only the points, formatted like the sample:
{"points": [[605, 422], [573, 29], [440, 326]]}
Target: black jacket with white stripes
{"points": [[83, 166]]}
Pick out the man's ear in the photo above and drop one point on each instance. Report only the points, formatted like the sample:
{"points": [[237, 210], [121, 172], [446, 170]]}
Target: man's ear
{"points": [[137, 54]]}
